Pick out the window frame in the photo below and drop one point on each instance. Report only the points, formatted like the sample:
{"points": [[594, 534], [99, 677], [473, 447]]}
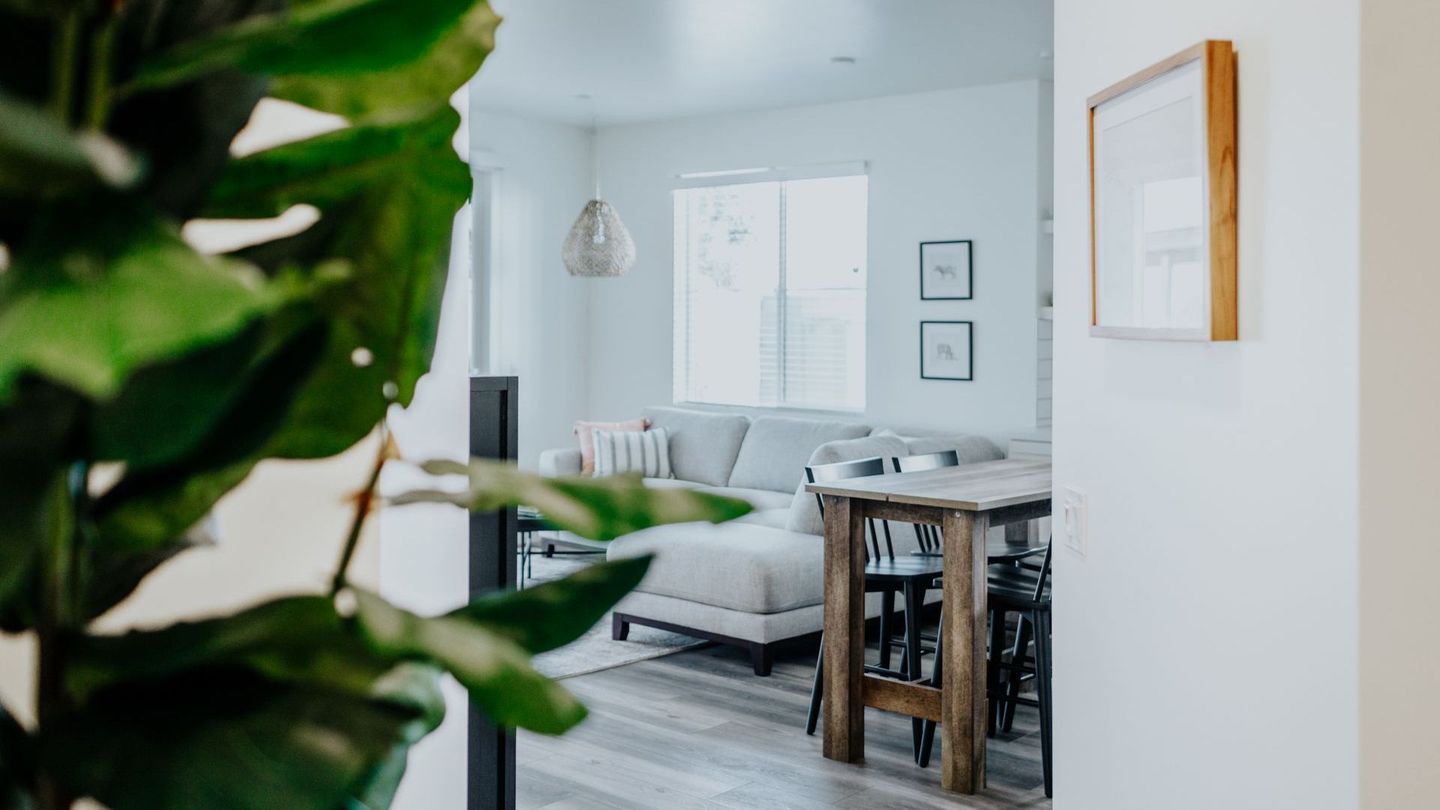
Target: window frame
{"points": [[680, 381]]}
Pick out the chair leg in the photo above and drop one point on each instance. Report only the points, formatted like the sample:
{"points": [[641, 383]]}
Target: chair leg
{"points": [[1017, 673], [619, 628], [992, 670], [914, 602], [1042, 683], [927, 728], [887, 629], [817, 690]]}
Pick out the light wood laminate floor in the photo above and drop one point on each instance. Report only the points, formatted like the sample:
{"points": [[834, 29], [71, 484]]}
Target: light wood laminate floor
{"points": [[699, 730]]}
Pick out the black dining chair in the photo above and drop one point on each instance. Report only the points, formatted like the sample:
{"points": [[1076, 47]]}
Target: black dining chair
{"points": [[929, 536], [885, 574], [997, 552], [1026, 592]]}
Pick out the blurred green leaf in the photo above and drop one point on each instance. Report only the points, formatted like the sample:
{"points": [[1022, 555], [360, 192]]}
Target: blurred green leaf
{"points": [[115, 573], [16, 763], [111, 574], [221, 402], [493, 669], [184, 131], [31, 8], [323, 38], [140, 514], [36, 433], [597, 508], [555, 613], [387, 195], [227, 738], [89, 309], [416, 685], [305, 641], [400, 90], [40, 157], [296, 640], [210, 442]]}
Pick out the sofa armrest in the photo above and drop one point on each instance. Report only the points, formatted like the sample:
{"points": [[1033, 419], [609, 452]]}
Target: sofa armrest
{"points": [[560, 461]]}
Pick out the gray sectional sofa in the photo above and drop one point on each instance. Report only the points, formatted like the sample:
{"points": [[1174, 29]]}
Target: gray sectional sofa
{"points": [[757, 580]]}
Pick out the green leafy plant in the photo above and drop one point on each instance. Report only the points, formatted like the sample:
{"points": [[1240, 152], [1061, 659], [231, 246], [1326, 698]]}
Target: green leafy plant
{"points": [[123, 348]]}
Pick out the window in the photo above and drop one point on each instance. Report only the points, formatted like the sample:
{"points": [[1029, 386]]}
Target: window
{"points": [[770, 292]]}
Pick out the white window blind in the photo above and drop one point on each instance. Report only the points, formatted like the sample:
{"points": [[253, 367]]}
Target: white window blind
{"points": [[770, 291]]}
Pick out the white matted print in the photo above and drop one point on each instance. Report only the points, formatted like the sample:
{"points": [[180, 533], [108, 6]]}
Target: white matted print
{"points": [[947, 350], [947, 270]]}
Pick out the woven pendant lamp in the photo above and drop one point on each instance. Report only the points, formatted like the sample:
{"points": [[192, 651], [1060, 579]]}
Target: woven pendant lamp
{"points": [[599, 245]]}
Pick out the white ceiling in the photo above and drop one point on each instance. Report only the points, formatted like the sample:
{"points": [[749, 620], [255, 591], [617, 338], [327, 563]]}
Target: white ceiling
{"points": [[644, 60]]}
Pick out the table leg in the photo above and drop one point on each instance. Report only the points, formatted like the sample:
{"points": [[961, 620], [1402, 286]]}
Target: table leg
{"points": [[963, 701], [844, 630]]}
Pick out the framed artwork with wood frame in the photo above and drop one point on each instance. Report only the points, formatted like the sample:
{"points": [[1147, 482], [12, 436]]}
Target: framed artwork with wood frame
{"points": [[1163, 200]]}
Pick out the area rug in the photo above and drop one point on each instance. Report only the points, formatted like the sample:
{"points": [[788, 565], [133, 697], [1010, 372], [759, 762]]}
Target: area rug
{"points": [[596, 651]]}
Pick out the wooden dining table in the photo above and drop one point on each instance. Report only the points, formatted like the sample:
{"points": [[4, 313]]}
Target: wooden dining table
{"points": [[965, 502]]}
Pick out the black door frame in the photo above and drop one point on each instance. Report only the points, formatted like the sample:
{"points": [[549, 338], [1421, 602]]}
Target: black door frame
{"points": [[490, 755]]}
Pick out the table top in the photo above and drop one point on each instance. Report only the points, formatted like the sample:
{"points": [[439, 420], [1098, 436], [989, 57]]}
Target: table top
{"points": [[972, 487]]}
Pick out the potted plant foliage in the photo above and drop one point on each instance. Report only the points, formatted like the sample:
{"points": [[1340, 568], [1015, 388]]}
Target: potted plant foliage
{"points": [[123, 348]]}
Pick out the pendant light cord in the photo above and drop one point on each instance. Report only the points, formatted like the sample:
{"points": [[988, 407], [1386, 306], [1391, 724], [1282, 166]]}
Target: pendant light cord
{"points": [[599, 237], [594, 154]]}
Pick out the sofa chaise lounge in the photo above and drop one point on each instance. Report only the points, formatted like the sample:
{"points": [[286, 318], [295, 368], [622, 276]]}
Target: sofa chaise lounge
{"points": [[758, 580]]}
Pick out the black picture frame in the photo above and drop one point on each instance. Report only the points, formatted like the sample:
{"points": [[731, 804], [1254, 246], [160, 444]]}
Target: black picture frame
{"points": [[969, 271], [969, 352]]}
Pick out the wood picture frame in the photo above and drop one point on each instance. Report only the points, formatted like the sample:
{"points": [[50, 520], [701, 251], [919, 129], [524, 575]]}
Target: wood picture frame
{"points": [[1163, 200], [942, 355], [947, 270]]}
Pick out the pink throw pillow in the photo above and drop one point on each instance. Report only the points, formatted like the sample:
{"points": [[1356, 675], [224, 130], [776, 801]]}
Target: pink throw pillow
{"points": [[586, 432]]}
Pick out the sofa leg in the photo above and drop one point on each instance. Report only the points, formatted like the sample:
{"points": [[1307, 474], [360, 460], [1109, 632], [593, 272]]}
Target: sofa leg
{"points": [[760, 658], [619, 628]]}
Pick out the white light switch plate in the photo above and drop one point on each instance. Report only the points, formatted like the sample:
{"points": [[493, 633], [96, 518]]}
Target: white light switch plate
{"points": [[1076, 514]]}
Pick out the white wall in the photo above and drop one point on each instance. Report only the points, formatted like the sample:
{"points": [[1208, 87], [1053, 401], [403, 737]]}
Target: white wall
{"points": [[1206, 646], [1399, 389], [424, 548], [955, 164], [542, 181]]}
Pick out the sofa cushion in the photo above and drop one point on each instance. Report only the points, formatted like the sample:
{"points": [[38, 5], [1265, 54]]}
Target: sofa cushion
{"points": [[632, 451], [776, 450], [804, 509], [703, 445], [585, 432], [758, 498], [971, 448], [739, 566], [774, 518], [671, 483]]}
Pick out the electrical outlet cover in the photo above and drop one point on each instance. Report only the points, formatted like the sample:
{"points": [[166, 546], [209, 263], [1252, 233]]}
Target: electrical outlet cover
{"points": [[1075, 509]]}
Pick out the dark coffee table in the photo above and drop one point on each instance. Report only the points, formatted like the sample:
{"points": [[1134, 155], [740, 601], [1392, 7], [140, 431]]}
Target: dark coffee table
{"points": [[529, 522]]}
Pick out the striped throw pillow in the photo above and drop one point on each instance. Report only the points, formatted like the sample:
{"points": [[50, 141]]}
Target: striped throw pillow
{"points": [[631, 451]]}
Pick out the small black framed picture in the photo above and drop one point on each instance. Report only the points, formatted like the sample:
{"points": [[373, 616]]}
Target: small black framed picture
{"points": [[947, 350], [947, 270]]}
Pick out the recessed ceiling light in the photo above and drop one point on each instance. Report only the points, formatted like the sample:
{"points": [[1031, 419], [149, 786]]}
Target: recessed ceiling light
{"points": [[843, 60]]}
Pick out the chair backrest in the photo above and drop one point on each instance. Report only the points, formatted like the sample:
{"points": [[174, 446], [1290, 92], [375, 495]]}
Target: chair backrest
{"points": [[928, 461], [842, 470], [928, 536], [1044, 572]]}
